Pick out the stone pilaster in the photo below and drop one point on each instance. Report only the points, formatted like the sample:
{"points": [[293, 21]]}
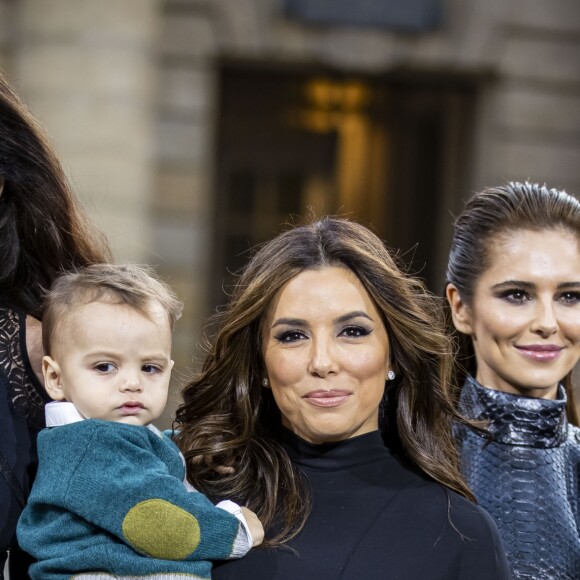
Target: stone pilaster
{"points": [[88, 71]]}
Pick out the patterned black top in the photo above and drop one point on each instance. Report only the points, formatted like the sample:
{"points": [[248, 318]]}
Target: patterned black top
{"points": [[26, 395], [527, 478], [22, 400]]}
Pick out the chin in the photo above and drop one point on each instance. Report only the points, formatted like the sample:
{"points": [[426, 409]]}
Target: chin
{"points": [[131, 420], [538, 386]]}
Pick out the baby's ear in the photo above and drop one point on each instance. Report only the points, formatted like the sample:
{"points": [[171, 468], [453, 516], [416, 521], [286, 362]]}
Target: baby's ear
{"points": [[460, 312], [52, 379]]}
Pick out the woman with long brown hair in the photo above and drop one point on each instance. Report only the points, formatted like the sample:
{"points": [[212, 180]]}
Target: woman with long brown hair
{"points": [[514, 294], [43, 232], [324, 403]]}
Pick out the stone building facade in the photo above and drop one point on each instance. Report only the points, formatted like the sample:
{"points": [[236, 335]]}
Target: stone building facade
{"points": [[161, 111]]}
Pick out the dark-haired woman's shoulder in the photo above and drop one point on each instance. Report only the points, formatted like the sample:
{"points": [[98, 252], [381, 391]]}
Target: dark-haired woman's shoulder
{"points": [[480, 546], [22, 399], [441, 535]]}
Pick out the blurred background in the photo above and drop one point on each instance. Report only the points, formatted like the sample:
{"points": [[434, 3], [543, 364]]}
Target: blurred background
{"points": [[194, 129]]}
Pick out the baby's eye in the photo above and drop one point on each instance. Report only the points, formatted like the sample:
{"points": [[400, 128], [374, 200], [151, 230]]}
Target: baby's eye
{"points": [[516, 296], [571, 298], [354, 331], [291, 336], [104, 367], [151, 369]]}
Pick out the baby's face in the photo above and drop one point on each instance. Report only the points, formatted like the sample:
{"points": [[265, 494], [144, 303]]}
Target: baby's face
{"points": [[112, 362]]}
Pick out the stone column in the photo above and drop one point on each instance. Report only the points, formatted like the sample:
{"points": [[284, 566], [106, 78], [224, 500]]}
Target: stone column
{"points": [[87, 69]]}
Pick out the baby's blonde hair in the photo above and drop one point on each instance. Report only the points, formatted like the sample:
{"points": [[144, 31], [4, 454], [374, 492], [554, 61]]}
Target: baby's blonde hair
{"points": [[134, 285]]}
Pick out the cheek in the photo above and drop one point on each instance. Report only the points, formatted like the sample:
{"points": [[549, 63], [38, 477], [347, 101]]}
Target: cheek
{"points": [[284, 368], [286, 371], [571, 328], [500, 324], [366, 363]]}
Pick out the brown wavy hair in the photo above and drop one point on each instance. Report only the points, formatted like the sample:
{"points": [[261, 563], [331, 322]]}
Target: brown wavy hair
{"points": [[228, 416], [494, 212], [43, 231]]}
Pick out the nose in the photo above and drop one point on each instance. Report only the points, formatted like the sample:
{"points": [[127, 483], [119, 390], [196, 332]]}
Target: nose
{"points": [[131, 382], [545, 322], [322, 358]]}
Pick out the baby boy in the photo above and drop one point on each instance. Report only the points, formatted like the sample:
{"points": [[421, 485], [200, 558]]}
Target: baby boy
{"points": [[110, 499]]}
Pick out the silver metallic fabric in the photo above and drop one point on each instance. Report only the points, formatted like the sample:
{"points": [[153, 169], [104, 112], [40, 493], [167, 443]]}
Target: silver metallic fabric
{"points": [[526, 477]]}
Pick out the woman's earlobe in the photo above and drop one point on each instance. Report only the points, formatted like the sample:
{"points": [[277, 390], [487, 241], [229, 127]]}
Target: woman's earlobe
{"points": [[52, 380], [460, 312]]}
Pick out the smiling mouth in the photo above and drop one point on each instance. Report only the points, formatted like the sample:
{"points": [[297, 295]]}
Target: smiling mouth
{"points": [[541, 352], [327, 399]]}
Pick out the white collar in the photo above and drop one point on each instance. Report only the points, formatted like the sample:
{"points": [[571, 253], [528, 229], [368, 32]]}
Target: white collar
{"points": [[60, 413]]}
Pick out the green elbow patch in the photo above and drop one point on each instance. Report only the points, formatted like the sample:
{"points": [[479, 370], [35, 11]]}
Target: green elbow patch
{"points": [[161, 530]]}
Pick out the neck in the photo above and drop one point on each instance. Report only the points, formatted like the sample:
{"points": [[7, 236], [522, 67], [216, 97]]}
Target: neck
{"points": [[550, 392], [334, 455]]}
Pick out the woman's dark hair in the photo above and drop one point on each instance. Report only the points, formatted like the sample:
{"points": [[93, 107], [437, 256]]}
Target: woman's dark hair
{"points": [[495, 212], [42, 229], [227, 415]]}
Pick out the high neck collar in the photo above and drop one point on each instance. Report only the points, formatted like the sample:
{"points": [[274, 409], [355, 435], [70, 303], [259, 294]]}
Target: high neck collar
{"points": [[515, 419], [337, 455]]}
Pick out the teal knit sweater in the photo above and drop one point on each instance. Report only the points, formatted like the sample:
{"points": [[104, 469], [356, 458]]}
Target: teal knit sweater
{"points": [[109, 498]]}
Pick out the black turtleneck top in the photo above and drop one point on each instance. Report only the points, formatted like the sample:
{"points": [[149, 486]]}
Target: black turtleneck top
{"points": [[373, 518], [527, 477]]}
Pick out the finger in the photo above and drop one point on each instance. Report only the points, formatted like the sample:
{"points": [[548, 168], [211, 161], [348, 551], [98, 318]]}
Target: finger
{"points": [[223, 469]]}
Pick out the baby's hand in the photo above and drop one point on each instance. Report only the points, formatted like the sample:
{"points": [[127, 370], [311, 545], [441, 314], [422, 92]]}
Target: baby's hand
{"points": [[256, 528]]}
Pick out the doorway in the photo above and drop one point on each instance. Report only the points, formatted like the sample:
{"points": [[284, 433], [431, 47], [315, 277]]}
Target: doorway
{"points": [[391, 152]]}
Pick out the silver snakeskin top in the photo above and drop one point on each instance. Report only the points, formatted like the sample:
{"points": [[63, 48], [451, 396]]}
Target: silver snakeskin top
{"points": [[527, 478]]}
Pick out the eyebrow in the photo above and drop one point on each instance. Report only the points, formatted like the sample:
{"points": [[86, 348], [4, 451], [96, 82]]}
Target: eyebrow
{"points": [[301, 322], [154, 356], [157, 357], [530, 285], [512, 283]]}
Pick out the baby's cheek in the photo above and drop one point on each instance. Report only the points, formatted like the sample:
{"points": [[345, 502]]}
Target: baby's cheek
{"points": [[161, 530]]}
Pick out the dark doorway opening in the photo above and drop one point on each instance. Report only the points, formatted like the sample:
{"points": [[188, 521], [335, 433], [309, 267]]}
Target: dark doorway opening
{"points": [[389, 151]]}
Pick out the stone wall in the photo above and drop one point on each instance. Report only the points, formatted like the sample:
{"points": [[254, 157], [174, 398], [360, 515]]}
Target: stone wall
{"points": [[6, 10], [533, 127], [89, 75]]}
